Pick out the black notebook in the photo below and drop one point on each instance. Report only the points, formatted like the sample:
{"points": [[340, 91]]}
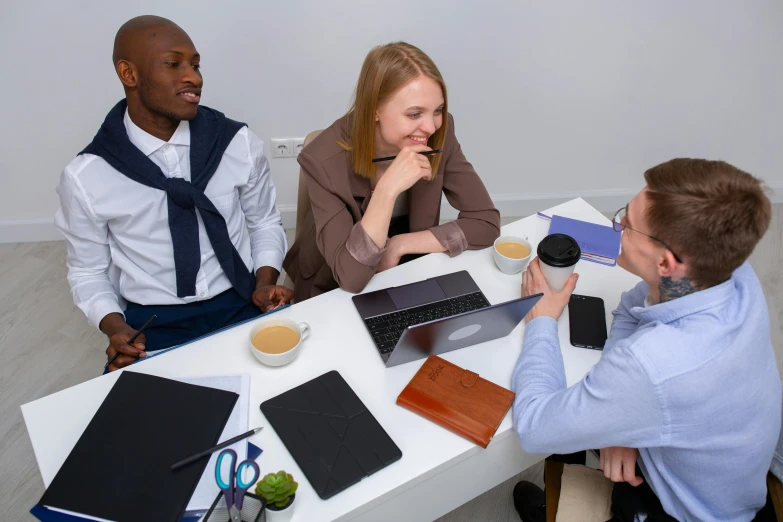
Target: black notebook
{"points": [[332, 436], [119, 468]]}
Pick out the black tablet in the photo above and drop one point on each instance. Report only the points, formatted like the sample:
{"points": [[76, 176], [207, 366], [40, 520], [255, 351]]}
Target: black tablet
{"points": [[332, 436]]}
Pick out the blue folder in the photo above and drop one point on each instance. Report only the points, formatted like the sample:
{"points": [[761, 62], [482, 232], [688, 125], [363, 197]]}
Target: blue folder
{"points": [[599, 243], [210, 334], [47, 515]]}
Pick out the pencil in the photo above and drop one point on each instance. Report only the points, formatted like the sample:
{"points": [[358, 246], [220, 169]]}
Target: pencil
{"points": [[210, 451], [130, 341], [424, 153]]}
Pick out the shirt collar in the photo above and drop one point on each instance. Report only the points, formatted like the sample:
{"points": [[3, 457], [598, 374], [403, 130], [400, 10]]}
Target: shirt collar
{"points": [[696, 302], [148, 144]]}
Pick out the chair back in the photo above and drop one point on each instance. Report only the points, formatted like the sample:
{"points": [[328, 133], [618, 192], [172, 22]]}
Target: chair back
{"points": [[303, 196]]}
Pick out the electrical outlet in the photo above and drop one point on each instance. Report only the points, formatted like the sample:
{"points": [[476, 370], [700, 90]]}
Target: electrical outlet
{"points": [[286, 147], [297, 144], [281, 148]]}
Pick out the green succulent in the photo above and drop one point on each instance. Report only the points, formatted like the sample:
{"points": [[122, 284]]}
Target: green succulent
{"points": [[277, 488]]}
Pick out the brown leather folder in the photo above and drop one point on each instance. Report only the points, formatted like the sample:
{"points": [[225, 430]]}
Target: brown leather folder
{"points": [[457, 399]]}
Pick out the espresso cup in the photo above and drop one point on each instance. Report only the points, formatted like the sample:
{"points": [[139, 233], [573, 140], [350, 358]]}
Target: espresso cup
{"points": [[557, 256], [302, 330], [511, 265]]}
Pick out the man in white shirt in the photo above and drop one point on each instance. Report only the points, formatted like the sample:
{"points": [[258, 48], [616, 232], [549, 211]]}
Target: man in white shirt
{"points": [[171, 209]]}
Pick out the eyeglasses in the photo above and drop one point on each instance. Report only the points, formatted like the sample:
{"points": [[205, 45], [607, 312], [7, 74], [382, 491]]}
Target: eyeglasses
{"points": [[619, 226]]}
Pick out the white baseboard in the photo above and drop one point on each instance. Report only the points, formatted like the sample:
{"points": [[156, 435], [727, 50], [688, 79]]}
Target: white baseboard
{"points": [[288, 215], [29, 231], [521, 205], [513, 205], [508, 204]]}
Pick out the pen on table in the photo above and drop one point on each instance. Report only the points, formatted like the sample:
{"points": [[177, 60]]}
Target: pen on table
{"points": [[423, 153], [229, 442], [131, 340]]}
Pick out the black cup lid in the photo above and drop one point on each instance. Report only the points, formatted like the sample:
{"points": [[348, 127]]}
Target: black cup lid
{"points": [[559, 250]]}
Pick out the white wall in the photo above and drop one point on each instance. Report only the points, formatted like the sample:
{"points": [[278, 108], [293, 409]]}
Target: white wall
{"points": [[551, 99]]}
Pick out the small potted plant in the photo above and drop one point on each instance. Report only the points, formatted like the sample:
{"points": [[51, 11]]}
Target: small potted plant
{"points": [[279, 490]]}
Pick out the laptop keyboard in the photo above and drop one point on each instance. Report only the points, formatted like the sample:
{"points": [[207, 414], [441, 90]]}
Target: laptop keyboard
{"points": [[387, 329]]}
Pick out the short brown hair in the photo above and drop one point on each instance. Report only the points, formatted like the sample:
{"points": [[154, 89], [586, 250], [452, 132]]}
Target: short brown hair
{"points": [[711, 213], [386, 69]]}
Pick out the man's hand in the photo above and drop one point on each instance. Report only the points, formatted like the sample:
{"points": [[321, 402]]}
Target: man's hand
{"points": [[552, 303], [619, 465], [268, 297], [129, 354], [119, 333], [268, 294], [393, 254]]}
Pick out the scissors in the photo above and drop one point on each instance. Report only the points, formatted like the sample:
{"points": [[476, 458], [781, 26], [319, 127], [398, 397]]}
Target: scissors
{"points": [[233, 486]]}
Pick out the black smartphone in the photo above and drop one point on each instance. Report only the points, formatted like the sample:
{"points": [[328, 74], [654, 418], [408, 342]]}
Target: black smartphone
{"points": [[587, 319]]}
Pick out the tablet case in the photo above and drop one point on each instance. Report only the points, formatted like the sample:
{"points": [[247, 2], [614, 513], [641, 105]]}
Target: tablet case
{"points": [[119, 468], [332, 436], [457, 399], [46, 515]]}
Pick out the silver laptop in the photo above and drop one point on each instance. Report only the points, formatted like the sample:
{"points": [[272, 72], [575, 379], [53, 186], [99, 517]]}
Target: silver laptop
{"points": [[435, 316]]}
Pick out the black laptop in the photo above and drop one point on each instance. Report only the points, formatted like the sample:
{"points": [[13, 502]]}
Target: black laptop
{"points": [[434, 316]]}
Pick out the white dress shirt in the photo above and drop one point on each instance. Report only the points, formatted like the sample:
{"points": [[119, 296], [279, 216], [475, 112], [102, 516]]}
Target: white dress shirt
{"points": [[117, 230]]}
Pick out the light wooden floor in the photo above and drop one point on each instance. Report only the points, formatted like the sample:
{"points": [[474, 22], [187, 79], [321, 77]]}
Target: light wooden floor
{"points": [[46, 345]]}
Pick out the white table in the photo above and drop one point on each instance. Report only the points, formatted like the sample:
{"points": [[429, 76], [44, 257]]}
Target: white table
{"points": [[439, 471]]}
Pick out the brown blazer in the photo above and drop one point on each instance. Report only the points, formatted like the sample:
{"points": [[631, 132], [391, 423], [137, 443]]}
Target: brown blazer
{"points": [[320, 258]]}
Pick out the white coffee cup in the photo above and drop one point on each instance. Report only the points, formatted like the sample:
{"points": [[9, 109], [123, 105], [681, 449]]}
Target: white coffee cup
{"points": [[278, 359], [510, 265], [557, 257]]}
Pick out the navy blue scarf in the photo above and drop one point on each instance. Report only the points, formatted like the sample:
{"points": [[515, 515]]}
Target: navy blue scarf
{"points": [[210, 134]]}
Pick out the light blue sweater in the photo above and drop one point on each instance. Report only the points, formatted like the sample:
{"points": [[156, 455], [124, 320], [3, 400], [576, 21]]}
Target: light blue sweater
{"points": [[692, 383]]}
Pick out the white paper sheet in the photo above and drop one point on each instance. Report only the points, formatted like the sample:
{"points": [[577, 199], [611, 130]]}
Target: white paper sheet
{"points": [[207, 488]]}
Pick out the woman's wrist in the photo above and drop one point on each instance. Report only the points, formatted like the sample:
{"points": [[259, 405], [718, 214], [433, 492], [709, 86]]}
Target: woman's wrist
{"points": [[384, 191]]}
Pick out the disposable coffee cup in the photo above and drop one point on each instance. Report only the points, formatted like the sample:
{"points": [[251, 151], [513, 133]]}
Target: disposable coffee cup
{"points": [[557, 255]]}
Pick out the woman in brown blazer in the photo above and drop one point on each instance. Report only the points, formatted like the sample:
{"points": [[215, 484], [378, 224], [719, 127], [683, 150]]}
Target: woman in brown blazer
{"points": [[366, 216]]}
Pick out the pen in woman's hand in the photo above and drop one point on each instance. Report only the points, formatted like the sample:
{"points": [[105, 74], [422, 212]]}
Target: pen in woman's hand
{"points": [[423, 153]]}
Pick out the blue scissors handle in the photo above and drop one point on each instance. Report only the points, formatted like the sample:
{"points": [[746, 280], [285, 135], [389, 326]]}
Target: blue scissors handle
{"points": [[234, 480], [225, 481], [243, 485]]}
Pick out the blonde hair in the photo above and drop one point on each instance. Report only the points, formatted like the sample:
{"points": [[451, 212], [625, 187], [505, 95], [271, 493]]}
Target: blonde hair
{"points": [[386, 70]]}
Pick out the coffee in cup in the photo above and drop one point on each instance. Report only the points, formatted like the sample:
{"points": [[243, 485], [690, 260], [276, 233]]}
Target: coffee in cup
{"points": [[276, 342], [557, 255], [513, 250], [275, 339], [511, 253]]}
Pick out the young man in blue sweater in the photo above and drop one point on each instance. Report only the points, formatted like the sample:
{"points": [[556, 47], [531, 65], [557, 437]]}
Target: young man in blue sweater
{"points": [[687, 386]]}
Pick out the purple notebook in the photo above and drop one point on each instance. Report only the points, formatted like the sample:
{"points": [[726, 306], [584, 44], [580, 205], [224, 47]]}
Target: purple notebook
{"points": [[599, 243]]}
